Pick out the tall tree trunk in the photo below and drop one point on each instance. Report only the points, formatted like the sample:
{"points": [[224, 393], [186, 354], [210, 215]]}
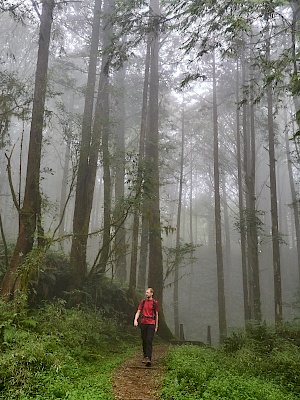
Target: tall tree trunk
{"points": [[252, 222], [191, 202], [155, 273], [64, 185], [246, 168], [101, 128], [218, 225], [177, 250], [29, 213], [241, 206], [191, 279], [138, 192], [226, 225], [294, 198], [120, 235], [83, 199], [274, 210], [144, 249]]}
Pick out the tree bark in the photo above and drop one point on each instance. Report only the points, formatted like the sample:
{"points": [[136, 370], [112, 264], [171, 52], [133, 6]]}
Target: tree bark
{"points": [[120, 235], [218, 225], [274, 209], [226, 224], [138, 191], [294, 199], [64, 185], [101, 129], [252, 223], [29, 212], [84, 188], [155, 273], [241, 206], [178, 223]]}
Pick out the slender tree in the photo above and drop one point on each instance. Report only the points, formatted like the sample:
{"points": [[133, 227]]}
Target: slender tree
{"points": [[294, 197], [218, 224], [252, 235], [155, 277], [178, 224], [102, 130], [120, 235], [155, 274], [84, 187], [138, 191], [241, 202], [273, 194], [64, 186]]}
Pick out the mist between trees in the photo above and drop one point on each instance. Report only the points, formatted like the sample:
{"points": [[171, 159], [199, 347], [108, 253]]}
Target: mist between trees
{"points": [[154, 144]]}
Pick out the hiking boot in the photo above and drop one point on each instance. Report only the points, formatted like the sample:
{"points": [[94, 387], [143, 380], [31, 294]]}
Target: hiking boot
{"points": [[144, 360], [148, 362]]}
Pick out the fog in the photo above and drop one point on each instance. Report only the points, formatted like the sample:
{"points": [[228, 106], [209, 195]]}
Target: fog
{"points": [[216, 125]]}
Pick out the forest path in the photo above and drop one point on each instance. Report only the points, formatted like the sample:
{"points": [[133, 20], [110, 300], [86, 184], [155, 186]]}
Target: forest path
{"points": [[134, 381]]}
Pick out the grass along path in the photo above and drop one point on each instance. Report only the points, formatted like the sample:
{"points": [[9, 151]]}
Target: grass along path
{"points": [[85, 380]]}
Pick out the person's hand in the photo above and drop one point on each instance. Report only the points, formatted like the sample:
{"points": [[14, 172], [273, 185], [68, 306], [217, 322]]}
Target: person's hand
{"points": [[156, 329], [135, 323]]}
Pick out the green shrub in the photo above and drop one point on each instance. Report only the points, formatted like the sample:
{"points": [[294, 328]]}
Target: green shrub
{"points": [[189, 369], [233, 387], [272, 353], [56, 352], [208, 374]]}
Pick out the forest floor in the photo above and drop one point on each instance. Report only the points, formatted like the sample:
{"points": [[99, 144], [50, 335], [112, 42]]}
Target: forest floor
{"points": [[132, 380]]}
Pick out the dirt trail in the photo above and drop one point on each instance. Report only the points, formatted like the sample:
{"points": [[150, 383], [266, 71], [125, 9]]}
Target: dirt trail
{"points": [[131, 380]]}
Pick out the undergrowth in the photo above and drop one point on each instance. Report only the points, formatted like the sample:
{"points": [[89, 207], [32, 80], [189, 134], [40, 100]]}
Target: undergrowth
{"points": [[59, 353], [263, 364]]}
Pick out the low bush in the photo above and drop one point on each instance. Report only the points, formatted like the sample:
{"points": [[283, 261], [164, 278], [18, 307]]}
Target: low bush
{"points": [[56, 352], [263, 365]]}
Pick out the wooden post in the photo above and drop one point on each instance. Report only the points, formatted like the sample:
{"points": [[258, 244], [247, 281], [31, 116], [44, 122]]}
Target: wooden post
{"points": [[181, 334], [209, 335]]}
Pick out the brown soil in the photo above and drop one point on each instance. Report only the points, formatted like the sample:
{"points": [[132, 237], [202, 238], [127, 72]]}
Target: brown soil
{"points": [[134, 381]]}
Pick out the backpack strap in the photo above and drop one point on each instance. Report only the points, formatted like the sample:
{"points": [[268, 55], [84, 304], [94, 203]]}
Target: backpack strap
{"points": [[143, 303], [154, 307]]}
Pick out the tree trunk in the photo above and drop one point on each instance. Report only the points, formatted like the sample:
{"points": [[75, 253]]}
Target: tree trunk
{"points": [[294, 198], [191, 202], [252, 223], [218, 225], [120, 235], [101, 127], [177, 250], [84, 188], [155, 273], [28, 214], [143, 261], [274, 210], [226, 225], [138, 190], [64, 186], [241, 207]]}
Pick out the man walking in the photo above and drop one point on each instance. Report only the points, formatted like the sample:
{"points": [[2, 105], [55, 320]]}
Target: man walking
{"points": [[148, 313]]}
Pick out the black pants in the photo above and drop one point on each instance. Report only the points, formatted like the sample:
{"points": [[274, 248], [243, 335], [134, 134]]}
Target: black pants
{"points": [[147, 333]]}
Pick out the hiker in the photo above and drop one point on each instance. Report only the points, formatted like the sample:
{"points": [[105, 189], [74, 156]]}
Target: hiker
{"points": [[148, 313]]}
